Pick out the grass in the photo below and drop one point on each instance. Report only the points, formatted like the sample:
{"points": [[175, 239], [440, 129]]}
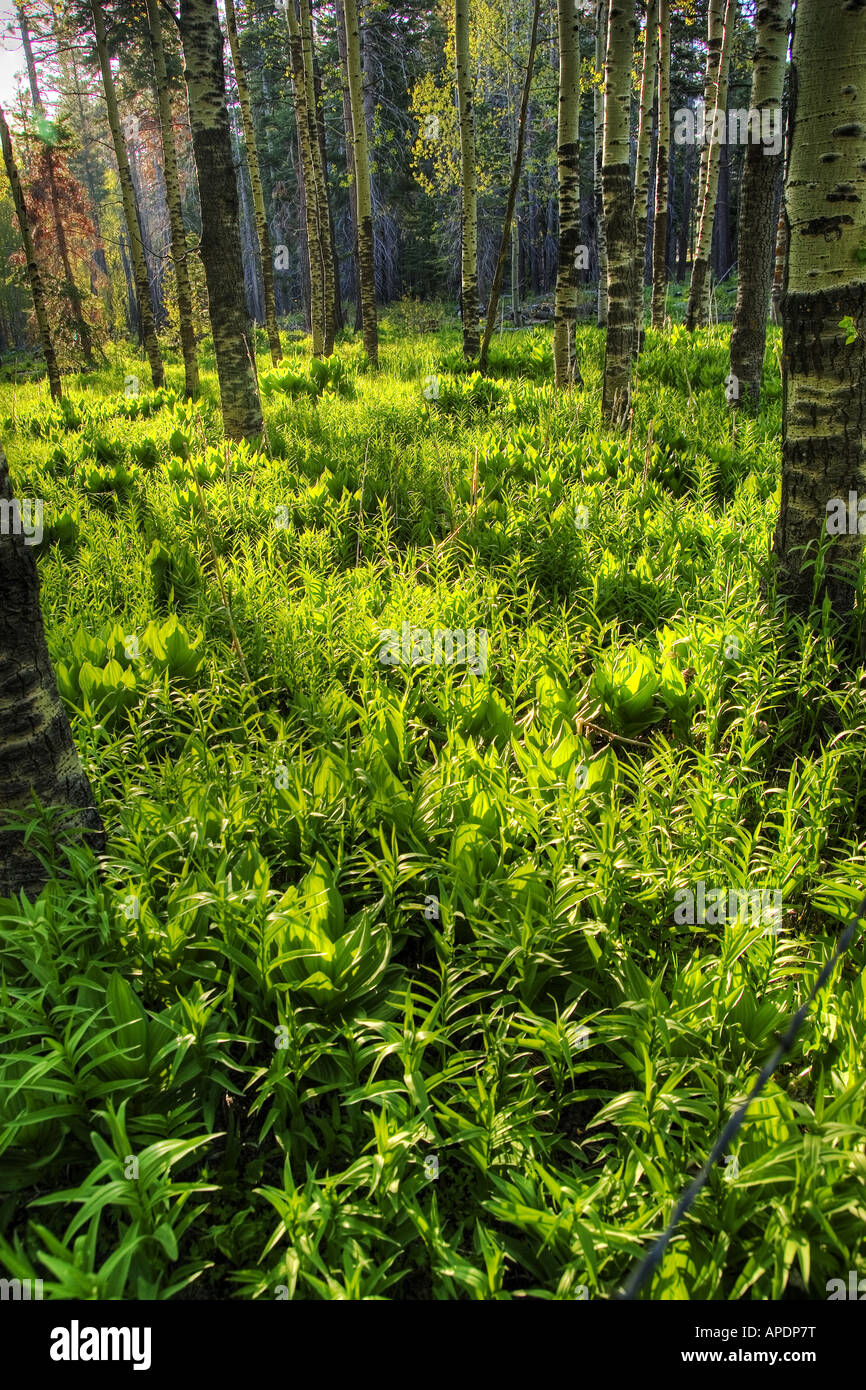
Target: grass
{"points": [[383, 991]]}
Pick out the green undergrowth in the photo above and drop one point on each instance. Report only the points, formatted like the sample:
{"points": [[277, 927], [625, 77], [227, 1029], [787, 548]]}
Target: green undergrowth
{"points": [[382, 991]]}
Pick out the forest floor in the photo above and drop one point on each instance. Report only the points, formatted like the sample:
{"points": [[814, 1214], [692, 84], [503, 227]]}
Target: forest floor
{"points": [[389, 986]]}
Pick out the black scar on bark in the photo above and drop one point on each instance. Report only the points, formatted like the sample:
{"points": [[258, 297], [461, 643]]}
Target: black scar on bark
{"points": [[830, 228]]}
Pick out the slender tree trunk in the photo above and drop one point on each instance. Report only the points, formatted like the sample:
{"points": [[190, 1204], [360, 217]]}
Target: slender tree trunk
{"points": [[320, 188], [512, 199], [468, 184], [265, 250], [179, 252], [348, 127], [332, 236], [302, 117], [781, 256], [698, 290], [642, 167], [660, 232], [568, 179], [755, 243], [37, 754], [130, 208], [70, 286], [618, 212], [598, 116], [220, 219], [824, 376], [34, 278], [363, 190]]}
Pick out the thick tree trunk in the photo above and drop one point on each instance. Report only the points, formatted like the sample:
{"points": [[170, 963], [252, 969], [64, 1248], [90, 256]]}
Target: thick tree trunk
{"points": [[699, 288], [363, 191], [568, 180], [265, 250], [642, 167], [824, 376], [220, 219], [179, 252], [37, 754], [660, 232], [130, 208], [512, 199], [618, 212], [755, 243], [468, 184], [34, 278], [70, 286], [598, 116]]}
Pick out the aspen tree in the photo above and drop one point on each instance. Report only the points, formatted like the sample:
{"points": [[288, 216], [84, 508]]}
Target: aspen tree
{"points": [[699, 288], [220, 219], [468, 185], [619, 212], [568, 179], [263, 236], [179, 252], [130, 206], [824, 307], [660, 229], [363, 191], [756, 240]]}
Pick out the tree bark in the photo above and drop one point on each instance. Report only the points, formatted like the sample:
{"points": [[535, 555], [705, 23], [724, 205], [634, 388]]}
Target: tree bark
{"points": [[642, 167], [265, 250], [304, 126], [598, 116], [618, 213], [512, 199], [698, 290], [568, 181], [363, 191], [34, 278], [130, 208], [319, 185], [220, 219], [348, 127], [781, 256], [332, 236], [755, 242], [70, 286], [179, 252], [824, 376], [660, 231], [468, 184], [37, 754]]}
